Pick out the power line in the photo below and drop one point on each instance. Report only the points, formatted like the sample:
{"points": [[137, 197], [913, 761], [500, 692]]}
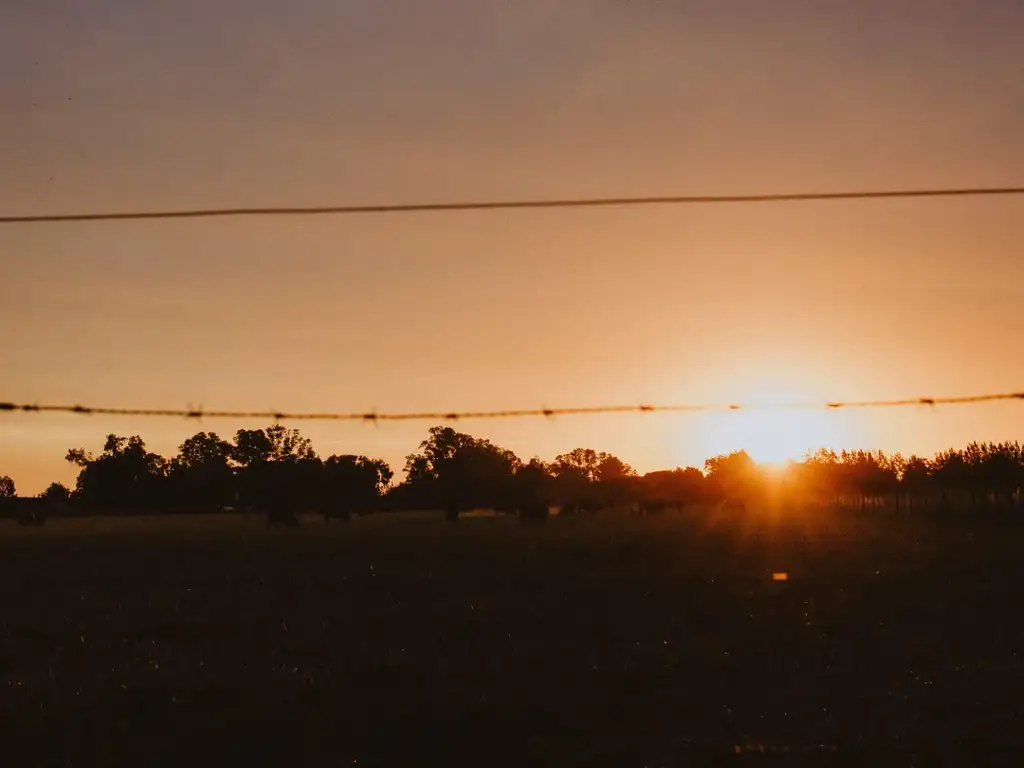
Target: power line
{"points": [[373, 416], [479, 205]]}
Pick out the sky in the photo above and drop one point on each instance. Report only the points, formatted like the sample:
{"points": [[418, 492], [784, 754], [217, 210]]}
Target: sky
{"points": [[112, 105]]}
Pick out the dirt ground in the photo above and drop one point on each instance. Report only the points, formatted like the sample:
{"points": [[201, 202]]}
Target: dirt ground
{"points": [[402, 640]]}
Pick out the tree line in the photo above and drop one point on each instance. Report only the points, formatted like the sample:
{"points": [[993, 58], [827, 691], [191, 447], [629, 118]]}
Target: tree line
{"points": [[277, 470]]}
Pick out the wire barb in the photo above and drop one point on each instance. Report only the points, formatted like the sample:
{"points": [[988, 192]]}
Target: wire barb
{"points": [[375, 417]]}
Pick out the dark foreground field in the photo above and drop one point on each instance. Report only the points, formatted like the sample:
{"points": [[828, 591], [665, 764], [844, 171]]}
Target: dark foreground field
{"points": [[405, 641]]}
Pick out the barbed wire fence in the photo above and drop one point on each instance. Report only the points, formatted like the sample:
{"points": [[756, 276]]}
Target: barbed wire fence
{"points": [[485, 205], [375, 416]]}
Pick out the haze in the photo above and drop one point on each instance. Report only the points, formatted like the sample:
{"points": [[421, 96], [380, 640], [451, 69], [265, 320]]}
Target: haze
{"points": [[119, 105]]}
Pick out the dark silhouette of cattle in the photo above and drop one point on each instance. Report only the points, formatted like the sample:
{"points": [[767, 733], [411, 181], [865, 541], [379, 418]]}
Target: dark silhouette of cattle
{"points": [[734, 505]]}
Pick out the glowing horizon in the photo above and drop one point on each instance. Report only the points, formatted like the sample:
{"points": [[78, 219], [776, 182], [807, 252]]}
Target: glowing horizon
{"points": [[141, 106]]}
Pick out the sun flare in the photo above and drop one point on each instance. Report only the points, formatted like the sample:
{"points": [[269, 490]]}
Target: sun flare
{"points": [[773, 434], [774, 437]]}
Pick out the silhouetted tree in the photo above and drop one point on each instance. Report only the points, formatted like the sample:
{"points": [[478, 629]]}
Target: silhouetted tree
{"points": [[276, 467], [671, 488], [582, 461], [430, 474], [125, 476], [7, 492], [483, 475], [457, 472], [1001, 471], [617, 483], [732, 475], [201, 475], [916, 479], [532, 490], [7, 489], [353, 484], [576, 475], [611, 467], [275, 443], [865, 477], [897, 466], [56, 493], [251, 447], [951, 475]]}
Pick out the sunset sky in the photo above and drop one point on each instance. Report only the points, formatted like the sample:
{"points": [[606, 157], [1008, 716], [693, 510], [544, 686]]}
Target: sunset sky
{"points": [[114, 104]]}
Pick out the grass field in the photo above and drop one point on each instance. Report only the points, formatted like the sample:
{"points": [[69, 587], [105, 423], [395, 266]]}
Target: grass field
{"points": [[402, 640]]}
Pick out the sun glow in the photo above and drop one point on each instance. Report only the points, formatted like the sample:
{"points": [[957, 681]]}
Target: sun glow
{"points": [[773, 434], [773, 437]]}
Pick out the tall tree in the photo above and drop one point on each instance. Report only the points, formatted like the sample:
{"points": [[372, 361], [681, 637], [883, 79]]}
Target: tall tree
{"points": [[532, 490], [672, 488], [574, 476], [617, 482], [917, 476], [733, 474], [56, 493], [201, 474], [251, 446], [276, 466], [457, 471], [610, 468], [436, 454], [580, 463], [353, 484], [124, 476]]}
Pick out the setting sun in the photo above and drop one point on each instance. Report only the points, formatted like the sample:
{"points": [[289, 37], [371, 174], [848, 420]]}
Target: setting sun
{"points": [[773, 434]]}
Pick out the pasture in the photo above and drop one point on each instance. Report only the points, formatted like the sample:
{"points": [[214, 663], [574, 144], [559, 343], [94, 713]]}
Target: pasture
{"points": [[403, 640]]}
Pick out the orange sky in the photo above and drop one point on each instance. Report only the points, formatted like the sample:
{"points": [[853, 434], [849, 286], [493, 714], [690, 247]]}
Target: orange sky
{"points": [[109, 105]]}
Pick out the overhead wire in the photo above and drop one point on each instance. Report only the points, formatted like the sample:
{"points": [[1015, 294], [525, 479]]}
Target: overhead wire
{"points": [[484, 205]]}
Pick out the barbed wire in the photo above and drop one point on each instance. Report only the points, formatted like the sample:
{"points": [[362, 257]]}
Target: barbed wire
{"points": [[373, 416], [477, 205]]}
